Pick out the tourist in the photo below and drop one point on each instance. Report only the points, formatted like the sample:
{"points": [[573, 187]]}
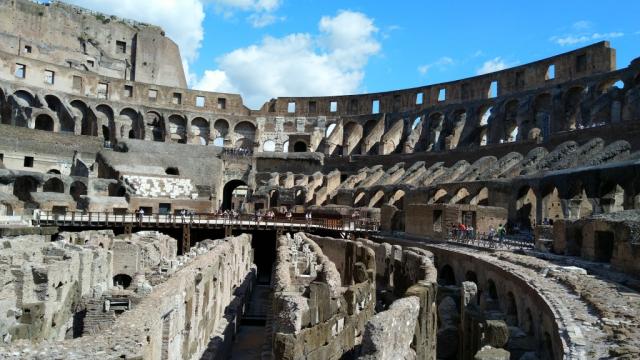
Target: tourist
{"points": [[289, 215], [470, 233], [502, 231]]}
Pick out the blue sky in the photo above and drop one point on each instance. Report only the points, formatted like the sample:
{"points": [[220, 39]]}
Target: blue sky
{"points": [[269, 48]]}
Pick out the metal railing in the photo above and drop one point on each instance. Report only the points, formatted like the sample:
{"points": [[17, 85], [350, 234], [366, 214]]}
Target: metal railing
{"points": [[202, 220], [493, 241]]}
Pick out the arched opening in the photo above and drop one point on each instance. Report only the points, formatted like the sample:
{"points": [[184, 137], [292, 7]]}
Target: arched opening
{"points": [[178, 129], [415, 123], [81, 113], [300, 197], [512, 310], [155, 127], [552, 204], [462, 196], [220, 128], [122, 280], [438, 197], [300, 146], [436, 120], [78, 189], [485, 115], [526, 208], [527, 323], [492, 295], [359, 200], [611, 198], [172, 171], [53, 185], [269, 146], [397, 199], [352, 135], [542, 110], [471, 276], [578, 204], [44, 122], [482, 198], [446, 276], [510, 121], [377, 199], [285, 146], [23, 187], [329, 130], [245, 135], [459, 121], [371, 138], [234, 194], [274, 197], [200, 131], [127, 123], [104, 117], [572, 109], [54, 171]]}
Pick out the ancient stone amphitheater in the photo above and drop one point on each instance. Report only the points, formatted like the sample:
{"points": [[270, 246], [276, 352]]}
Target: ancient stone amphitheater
{"points": [[493, 217]]}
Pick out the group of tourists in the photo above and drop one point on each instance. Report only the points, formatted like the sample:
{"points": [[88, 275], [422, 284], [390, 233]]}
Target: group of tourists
{"points": [[463, 231], [227, 214]]}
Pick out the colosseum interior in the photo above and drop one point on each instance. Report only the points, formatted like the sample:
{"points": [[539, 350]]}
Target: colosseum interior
{"points": [[493, 217]]}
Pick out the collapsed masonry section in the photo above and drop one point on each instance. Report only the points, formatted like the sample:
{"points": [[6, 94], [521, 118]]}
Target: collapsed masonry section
{"points": [[187, 308]]}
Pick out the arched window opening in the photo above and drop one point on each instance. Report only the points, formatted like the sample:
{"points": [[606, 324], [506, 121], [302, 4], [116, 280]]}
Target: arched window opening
{"points": [[122, 280], [300, 146]]}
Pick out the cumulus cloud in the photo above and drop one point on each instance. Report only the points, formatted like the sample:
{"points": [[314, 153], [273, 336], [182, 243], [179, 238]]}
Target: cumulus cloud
{"points": [[328, 63], [169, 14], [441, 63], [492, 65]]}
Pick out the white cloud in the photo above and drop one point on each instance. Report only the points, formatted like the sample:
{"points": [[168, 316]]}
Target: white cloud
{"points": [[441, 63], [493, 65], [260, 20], [329, 63], [573, 39], [582, 25], [261, 11], [171, 15]]}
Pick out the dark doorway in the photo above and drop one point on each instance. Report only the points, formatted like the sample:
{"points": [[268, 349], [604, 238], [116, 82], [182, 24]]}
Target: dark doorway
{"points": [[123, 280], [446, 276], [44, 122], [164, 208], [230, 193], [603, 249], [300, 146]]}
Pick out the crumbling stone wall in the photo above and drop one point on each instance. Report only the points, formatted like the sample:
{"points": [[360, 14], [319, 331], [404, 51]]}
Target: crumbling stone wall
{"points": [[192, 315], [43, 284], [316, 316]]}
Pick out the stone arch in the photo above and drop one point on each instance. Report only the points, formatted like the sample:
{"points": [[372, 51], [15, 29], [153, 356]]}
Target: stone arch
{"points": [[23, 187], [78, 188], [228, 192], [459, 120], [542, 113], [438, 197], [220, 131], [526, 208], [300, 146], [446, 276], [200, 131], [274, 198], [285, 146], [154, 127], [578, 204], [511, 126], [126, 124], [572, 109], [462, 196], [245, 133], [377, 199], [611, 197], [44, 122], [105, 121], [83, 117], [178, 129], [359, 199], [482, 198], [329, 130], [352, 136], [123, 280], [397, 199], [551, 204], [24, 98], [269, 146], [67, 122], [53, 185], [436, 122]]}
